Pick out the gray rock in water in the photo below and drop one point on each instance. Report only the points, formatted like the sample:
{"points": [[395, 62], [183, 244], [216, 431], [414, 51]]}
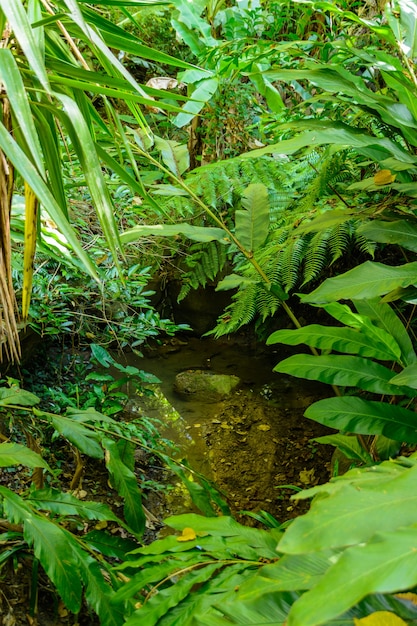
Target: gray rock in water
{"points": [[205, 385]]}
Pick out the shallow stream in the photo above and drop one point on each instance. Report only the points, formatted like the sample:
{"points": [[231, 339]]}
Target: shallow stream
{"points": [[255, 440]]}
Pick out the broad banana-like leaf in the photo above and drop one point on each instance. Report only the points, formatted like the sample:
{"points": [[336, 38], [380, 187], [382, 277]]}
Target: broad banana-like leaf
{"points": [[252, 221], [366, 281], [400, 232], [196, 233], [126, 485], [379, 335], [385, 564], [381, 314], [333, 338], [201, 95], [353, 515], [365, 417], [345, 371], [16, 454]]}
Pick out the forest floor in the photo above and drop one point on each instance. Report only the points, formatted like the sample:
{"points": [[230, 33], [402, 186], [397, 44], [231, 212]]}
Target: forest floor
{"points": [[255, 445]]}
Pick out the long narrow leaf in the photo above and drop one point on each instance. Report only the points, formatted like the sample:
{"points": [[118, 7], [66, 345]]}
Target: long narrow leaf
{"points": [[12, 81], [22, 29], [39, 187]]}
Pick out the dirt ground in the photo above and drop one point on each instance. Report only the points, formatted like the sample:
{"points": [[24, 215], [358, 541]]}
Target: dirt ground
{"points": [[261, 454]]}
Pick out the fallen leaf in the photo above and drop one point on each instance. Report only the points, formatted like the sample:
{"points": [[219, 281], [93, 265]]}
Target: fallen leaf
{"points": [[188, 534], [264, 427], [384, 177], [100, 525], [380, 618], [411, 597], [307, 476]]}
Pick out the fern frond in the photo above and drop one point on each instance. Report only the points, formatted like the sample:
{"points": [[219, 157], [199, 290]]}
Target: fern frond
{"points": [[241, 312], [205, 262]]}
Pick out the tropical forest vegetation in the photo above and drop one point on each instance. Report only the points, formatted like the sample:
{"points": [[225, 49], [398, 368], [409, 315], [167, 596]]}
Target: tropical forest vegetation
{"points": [[264, 148]]}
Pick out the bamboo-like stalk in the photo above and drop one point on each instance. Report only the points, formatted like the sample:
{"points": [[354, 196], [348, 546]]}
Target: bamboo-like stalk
{"points": [[9, 334]]}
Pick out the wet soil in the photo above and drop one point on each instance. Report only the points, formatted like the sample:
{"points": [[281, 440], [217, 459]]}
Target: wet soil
{"points": [[255, 444]]}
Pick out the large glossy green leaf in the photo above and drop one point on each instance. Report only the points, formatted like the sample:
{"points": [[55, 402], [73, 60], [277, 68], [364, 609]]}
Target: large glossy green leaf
{"points": [[348, 445], [368, 280], [353, 515], [345, 371], [85, 439], [374, 332], [407, 377], [399, 232], [337, 79], [386, 564], [365, 417], [201, 95], [196, 233], [333, 338], [10, 396], [252, 221], [383, 316], [16, 454], [55, 548], [126, 484], [63, 503], [224, 526]]}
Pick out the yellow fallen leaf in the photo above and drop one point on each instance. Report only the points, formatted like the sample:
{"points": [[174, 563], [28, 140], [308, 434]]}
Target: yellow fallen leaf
{"points": [[100, 525], [307, 476], [264, 427], [384, 177], [409, 596], [380, 618], [188, 534]]}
